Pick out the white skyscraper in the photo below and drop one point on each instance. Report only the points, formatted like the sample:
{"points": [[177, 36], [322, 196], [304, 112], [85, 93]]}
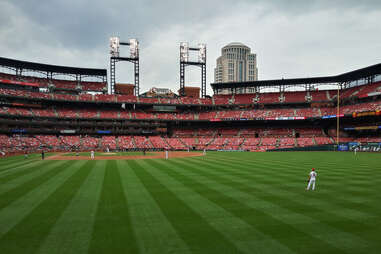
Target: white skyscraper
{"points": [[236, 64]]}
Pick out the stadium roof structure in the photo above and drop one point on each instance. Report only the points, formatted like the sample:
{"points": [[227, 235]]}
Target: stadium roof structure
{"points": [[24, 65], [363, 73]]}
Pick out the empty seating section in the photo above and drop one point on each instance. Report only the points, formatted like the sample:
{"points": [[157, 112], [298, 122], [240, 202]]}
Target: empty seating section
{"points": [[126, 142], [24, 111], [375, 87], [217, 143], [307, 112], [183, 133], [207, 115], [205, 101], [222, 99], [269, 141], [233, 143], [108, 142], [189, 142], [349, 92], [185, 116], [70, 113], [332, 94], [244, 98], [90, 142], [319, 96], [142, 142], [71, 141], [308, 132], [369, 139], [275, 138], [166, 116], [203, 142], [323, 140], [86, 86], [85, 97], [105, 97], [5, 143], [11, 111], [189, 100], [291, 97], [142, 115], [169, 101], [158, 142], [360, 107], [223, 137], [286, 142], [88, 113], [48, 112], [49, 141], [255, 113], [125, 114], [305, 142], [21, 142], [149, 100], [228, 132], [281, 113], [269, 98], [126, 98], [206, 132], [347, 139], [251, 144], [64, 84], [280, 132], [93, 86], [113, 114], [229, 114], [65, 97], [328, 111], [176, 144]]}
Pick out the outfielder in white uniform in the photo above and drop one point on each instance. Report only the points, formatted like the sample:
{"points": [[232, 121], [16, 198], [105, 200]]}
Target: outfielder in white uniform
{"points": [[92, 154], [312, 179]]}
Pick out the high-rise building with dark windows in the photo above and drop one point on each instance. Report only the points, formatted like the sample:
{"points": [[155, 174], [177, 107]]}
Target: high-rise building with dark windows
{"points": [[236, 64]]}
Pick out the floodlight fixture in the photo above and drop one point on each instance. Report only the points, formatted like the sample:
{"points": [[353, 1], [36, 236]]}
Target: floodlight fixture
{"points": [[202, 52], [184, 51], [185, 61], [133, 44], [114, 46]]}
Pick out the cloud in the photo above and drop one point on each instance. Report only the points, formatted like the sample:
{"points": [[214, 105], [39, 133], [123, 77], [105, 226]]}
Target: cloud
{"points": [[291, 38]]}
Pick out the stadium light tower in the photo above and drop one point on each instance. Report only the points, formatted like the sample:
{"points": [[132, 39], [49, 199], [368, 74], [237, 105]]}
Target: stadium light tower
{"points": [[184, 61], [115, 57]]}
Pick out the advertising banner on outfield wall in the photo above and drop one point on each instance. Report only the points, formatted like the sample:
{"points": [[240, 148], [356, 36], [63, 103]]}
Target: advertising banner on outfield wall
{"points": [[67, 131], [343, 147], [103, 132]]}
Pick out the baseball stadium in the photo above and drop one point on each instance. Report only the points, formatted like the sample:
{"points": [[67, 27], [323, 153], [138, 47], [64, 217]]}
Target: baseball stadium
{"points": [[94, 166]]}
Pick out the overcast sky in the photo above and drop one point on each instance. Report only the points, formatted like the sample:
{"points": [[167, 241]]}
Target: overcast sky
{"points": [[292, 38]]}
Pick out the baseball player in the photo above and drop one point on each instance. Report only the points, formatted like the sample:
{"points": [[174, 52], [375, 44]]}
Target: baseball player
{"points": [[92, 154], [311, 179]]}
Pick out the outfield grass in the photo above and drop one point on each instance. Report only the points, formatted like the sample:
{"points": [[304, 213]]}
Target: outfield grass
{"points": [[225, 202]]}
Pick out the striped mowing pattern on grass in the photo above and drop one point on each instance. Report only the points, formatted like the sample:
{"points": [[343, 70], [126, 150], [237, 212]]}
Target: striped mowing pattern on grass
{"points": [[219, 203]]}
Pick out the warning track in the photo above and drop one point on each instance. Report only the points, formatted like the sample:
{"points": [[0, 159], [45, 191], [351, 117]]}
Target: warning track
{"points": [[156, 155]]}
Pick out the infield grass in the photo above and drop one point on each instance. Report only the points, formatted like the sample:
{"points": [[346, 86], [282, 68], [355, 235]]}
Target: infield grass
{"points": [[224, 202]]}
